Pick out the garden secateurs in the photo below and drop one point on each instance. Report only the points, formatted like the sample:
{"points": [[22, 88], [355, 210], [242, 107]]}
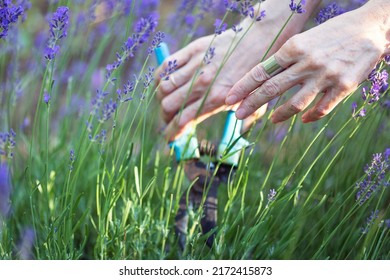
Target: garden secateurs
{"points": [[203, 192]]}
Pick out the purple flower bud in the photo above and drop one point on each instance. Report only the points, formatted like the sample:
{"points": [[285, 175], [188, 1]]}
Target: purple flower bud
{"points": [[375, 176], [58, 30], [272, 195], [219, 26], [297, 8], [46, 98], [330, 11], [209, 55]]}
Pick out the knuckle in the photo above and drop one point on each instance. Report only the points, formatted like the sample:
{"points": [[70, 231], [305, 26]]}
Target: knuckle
{"points": [[198, 45], [332, 72], [251, 105], [165, 88], [344, 84], [270, 89], [240, 89], [205, 79], [295, 46], [313, 61], [166, 108], [258, 74]]}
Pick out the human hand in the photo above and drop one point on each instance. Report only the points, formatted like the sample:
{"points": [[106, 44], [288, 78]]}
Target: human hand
{"points": [[175, 92], [333, 59]]}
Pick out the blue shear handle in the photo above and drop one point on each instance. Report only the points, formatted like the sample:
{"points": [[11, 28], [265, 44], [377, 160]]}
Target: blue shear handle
{"points": [[231, 144], [185, 147]]}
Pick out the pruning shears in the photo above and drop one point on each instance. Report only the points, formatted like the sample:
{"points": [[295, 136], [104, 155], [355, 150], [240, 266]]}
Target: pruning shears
{"points": [[203, 192]]}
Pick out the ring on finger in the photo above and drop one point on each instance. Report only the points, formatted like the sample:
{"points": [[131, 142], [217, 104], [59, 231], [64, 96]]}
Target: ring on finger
{"points": [[271, 66]]}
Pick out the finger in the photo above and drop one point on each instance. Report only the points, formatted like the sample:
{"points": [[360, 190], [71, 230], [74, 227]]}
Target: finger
{"points": [[270, 89], [325, 105], [249, 121], [256, 77], [185, 95], [252, 80], [296, 104], [171, 104], [182, 57], [190, 117], [176, 80]]}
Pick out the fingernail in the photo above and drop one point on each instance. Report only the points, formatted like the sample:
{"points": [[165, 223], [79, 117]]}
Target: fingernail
{"points": [[241, 114], [231, 99]]}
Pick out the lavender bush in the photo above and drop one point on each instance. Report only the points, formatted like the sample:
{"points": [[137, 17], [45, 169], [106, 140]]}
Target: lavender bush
{"points": [[86, 174]]}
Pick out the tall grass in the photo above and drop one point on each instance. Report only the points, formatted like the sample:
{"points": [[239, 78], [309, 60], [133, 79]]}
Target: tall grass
{"points": [[89, 186]]}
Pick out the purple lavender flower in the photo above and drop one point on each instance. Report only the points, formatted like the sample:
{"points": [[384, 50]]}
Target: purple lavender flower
{"points": [[375, 176], [5, 189], [387, 223], [246, 8], [379, 85], [100, 138], [103, 136], [157, 39], [261, 16], [220, 26], [7, 143], [387, 59], [237, 28], [370, 221], [123, 96], [271, 195], [330, 11], [9, 15], [97, 102], [231, 6], [149, 77], [46, 98], [172, 66], [188, 13], [108, 110], [58, 30], [209, 55], [297, 7], [143, 28], [26, 5], [355, 113], [72, 158]]}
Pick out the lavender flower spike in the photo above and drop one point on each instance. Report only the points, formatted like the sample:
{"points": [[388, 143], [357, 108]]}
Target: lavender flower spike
{"points": [[58, 30], [271, 195], [9, 15], [330, 11], [5, 189], [375, 177], [297, 7]]}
